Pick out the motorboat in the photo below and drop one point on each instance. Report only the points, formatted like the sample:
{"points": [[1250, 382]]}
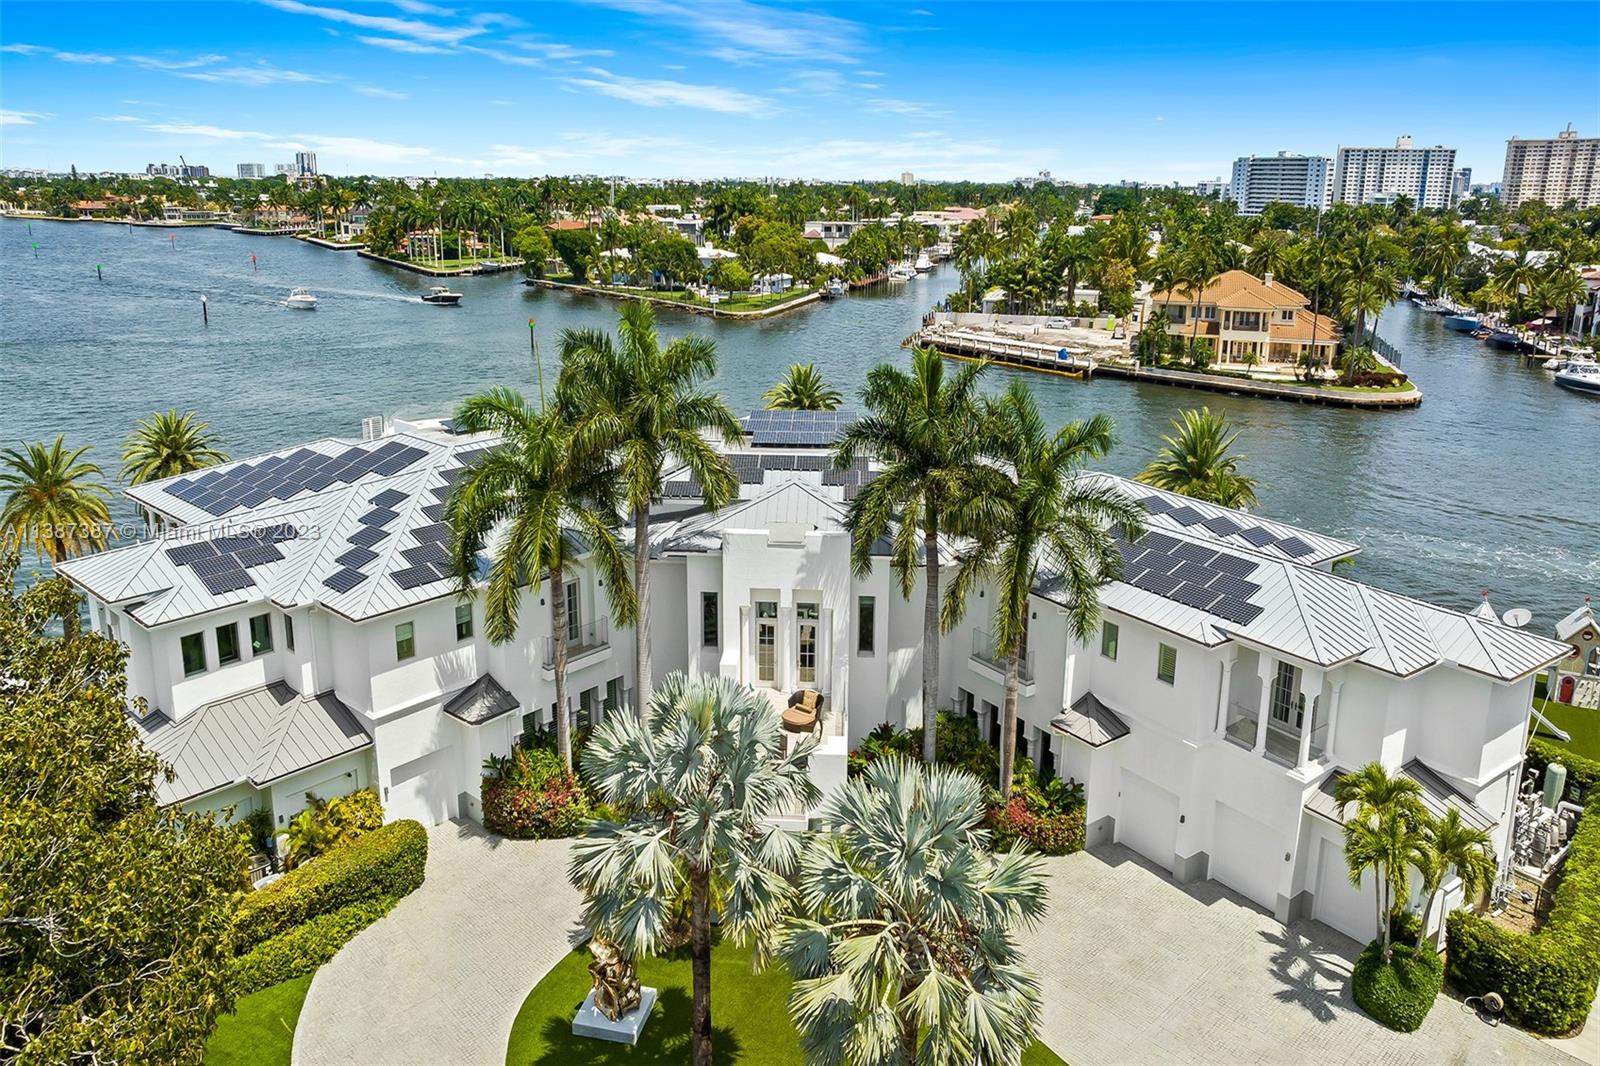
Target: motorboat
{"points": [[923, 263], [1505, 338], [1581, 377], [1568, 361], [438, 294], [300, 300], [1461, 323], [902, 273], [833, 289]]}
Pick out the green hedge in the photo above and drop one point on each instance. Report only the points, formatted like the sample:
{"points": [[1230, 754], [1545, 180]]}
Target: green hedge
{"points": [[385, 862], [1548, 979], [1399, 993], [1583, 775], [305, 947]]}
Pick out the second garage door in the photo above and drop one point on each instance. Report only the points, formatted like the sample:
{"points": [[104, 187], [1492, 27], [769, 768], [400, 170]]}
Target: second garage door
{"points": [[420, 789], [1246, 856], [1353, 911], [1147, 819]]}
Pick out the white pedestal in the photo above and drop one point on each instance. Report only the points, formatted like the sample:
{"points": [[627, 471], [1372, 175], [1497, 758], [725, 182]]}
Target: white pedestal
{"points": [[625, 1030]]}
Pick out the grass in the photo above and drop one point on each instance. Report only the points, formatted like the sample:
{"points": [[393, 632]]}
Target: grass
{"points": [[260, 1031], [732, 303], [1582, 723], [749, 1012]]}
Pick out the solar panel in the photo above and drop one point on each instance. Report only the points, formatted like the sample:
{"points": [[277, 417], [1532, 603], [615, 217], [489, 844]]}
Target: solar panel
{"points": [[388, 498], [1185, 515], [435, 511], [367, 536], [1237, 610], [357, 557], [439, 531], [1229, 585], [285, 489], [1194, 573], [1295, 547], [216, 564], [210, 477], [229, 581], [1195, 553], [319, 481], [177, 486], [184, 554], [350, 454], [1260, 536], [1194, 595], [344, 580], [1157, 504], [1159, 541], [413, 576], [254, 498], [1221, 525], [431, 552], [258, 555], [1160, 562], [1160, 584], [378, 516], [1235, 565]]}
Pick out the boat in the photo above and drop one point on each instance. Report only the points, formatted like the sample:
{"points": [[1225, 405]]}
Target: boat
{"points": [[923, 263], [1569, 362], [1461, 323], [438, 294], [1505, 338], [1581, 377], [902, 273], [300, 300], [834, 288]]}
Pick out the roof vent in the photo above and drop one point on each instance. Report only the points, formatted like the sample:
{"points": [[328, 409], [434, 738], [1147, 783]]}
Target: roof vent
{"points": [[372, 428]]}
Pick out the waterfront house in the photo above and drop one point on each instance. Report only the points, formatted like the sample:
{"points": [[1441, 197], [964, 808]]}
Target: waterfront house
{"points": [[294, 629], [1249, 320], [352, 224]]}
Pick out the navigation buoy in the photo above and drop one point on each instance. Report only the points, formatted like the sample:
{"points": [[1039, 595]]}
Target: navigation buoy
{"points": [[253, 265], [36, 251], [97, 273], [205, 311]]}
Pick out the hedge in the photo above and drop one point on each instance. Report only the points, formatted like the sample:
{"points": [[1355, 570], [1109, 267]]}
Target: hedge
{"points": [[1399, 993], [305, 947], [1548, 979], [389, 861], [1583, 775]]}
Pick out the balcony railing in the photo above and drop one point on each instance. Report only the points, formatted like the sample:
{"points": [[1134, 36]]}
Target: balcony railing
{"points": [[581, 640], [985, 649]]}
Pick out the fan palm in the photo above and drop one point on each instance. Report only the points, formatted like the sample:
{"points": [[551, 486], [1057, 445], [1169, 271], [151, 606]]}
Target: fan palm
{"points": [[802, 388], [1452, 844], [642, 404], [1040, 517], [905, 946], [168, 444], [702, 773], [1384, 835], [1197, 461], [924, 428], [543, 497]]}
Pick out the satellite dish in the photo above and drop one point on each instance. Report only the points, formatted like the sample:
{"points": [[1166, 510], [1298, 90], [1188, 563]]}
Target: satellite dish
{"points": [[1518, 617]]}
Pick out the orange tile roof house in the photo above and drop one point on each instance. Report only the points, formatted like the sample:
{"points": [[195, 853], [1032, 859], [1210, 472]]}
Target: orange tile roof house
{"points": [[1249, 319]]}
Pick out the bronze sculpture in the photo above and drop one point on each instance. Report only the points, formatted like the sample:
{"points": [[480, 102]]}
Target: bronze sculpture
{"points": [[616, 987]]}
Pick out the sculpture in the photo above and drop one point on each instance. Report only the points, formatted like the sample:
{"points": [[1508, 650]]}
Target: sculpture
{"points": [[616, 987]]}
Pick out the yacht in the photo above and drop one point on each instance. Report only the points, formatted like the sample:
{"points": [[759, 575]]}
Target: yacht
{"points": [[1568, 360], [1461, 323], [1580, 377], [438, 294], [902, 272], [923, 263], [833, 290], [301, 300]]}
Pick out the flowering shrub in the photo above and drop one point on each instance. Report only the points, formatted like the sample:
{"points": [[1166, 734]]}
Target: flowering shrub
{"points": [[529, 795]]}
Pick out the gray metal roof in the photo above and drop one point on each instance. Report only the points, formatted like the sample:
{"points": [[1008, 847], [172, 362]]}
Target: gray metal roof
{"points": [[791, 503], [1090, 721], [482, 701], [256, 737], [1438, 795]]}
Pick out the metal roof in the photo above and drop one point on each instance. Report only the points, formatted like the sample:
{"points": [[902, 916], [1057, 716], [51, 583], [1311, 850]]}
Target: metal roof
{"points": [[1438, 795], [482, 701], [1090, 721], [256, 737]]}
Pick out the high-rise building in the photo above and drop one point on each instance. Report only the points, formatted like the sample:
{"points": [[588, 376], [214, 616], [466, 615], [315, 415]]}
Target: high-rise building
{"points": [[1211, 190], [1259, 180], [1380, 175], [1565, 167], [305, 162], [907, 178], [252, 170], [175, 170], [1461, 186]]}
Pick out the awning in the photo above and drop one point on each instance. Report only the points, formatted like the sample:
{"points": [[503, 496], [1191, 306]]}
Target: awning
{"points": [[1090, 721], [1438, 795], [482, 701]]}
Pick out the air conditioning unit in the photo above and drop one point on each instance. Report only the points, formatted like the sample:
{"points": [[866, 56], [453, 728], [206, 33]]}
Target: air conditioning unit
{"points": [[372, 428]]}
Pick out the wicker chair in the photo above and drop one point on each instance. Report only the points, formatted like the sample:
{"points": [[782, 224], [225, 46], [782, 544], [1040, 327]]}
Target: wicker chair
{"points": [[805, 707]]}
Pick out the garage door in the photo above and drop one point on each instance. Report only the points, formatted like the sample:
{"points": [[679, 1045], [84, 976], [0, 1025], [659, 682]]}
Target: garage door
{"points": [[1246, 856], [1353, 911], [421, 789], [1147, 819]]}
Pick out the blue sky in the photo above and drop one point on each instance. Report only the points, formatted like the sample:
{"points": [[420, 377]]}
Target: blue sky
{"points": [[675, 88]]}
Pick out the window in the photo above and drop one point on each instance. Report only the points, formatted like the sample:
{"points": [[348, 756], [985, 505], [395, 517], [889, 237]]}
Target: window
{"points": [[574, 614], [867, 620], [588, 706], [463, 621], [1108, 640], [194, 654], [613, 695], [288, 632], [766, 640], [405, 641], [708, 619], [806, 650], [260, 634], [1166, 663], [228, 644]]}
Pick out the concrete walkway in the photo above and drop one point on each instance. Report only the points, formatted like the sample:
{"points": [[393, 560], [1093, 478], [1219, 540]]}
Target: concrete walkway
{"points": [[440, 979], [1139, 969]]}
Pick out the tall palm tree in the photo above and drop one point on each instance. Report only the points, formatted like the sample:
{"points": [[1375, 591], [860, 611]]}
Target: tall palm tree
{"points": [[802, 388], [1560, 290], [55, 503], [167, 444], [1383, 835], [925, 429], [905, 948], [1041, 517], [1197, 270], [643, 404], [1454, 845], [1198, 461], [702, 772], [542, 498], [1075, 255]]}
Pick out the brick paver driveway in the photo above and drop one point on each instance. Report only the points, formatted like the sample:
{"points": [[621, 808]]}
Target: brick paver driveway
{"points": [[1139, 969], [440, 979]]}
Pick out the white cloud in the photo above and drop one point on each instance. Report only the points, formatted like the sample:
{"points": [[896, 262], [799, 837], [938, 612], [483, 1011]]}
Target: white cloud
{"points": [[205, 132], [745, 32], [500, 55], [262, 73], [381, 94], [400, 44], [869, 85], [650, 92], [119, 118], [887, 106], [19, 118], [157, 63], [416, 7], [26, 49], [88, 58], [400, 27]]}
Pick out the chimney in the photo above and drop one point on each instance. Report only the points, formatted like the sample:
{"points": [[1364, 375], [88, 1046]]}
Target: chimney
{"points": [[1266, 279]]}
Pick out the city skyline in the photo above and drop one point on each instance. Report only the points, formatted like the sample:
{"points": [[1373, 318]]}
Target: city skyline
{"points": [[660, 88]]}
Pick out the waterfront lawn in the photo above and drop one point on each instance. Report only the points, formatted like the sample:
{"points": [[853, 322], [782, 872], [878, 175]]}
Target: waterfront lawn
{"points": [[750, 1013], [260, 1031], [1582, 723]]}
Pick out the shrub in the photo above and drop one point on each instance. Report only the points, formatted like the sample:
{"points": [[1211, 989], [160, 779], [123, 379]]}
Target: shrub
{"points": [[559, 807], [390, 861], [328, 824], [1400, 992], [1405, 927], [305, 947], [1583, 775]]}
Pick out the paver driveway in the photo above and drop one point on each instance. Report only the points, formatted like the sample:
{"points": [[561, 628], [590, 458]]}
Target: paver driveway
{"points": [[440, 979], [1139, 969]]}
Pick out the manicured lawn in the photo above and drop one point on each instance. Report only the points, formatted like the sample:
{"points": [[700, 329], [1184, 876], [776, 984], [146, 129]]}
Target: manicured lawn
{"points": [[260, 1031], [1581, 722], [749, 1011]]}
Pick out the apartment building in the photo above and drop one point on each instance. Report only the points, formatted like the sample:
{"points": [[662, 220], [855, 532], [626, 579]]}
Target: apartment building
{"points": [[1301, 180], [1555, 170], [1380, 175]]}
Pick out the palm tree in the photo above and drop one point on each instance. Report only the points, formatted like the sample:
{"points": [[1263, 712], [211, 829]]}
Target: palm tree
{"points": [[1452, 844], [1197, 461], [702, 773], [905, 947], [1041, 517], [1074, 256], [802, 388], [168, 444], [1560, 291], [544, 498], [54, 503], [1197, 271], [1383, 836], [924, 429], [643, 404]]}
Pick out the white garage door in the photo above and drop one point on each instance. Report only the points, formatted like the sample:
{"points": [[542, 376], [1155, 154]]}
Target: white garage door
{"points": [[420, 789], [1246, 856], [1147, 819], [1352, 911]]}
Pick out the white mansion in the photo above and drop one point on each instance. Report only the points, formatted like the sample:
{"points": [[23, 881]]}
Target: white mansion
{"points": [[292, 629]]}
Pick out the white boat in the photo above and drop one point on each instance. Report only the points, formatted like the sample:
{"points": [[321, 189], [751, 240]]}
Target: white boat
{"points": [[902, 273], [300, 300], [438, 294], [923, 263], [1569, 361], [1581, 377]]}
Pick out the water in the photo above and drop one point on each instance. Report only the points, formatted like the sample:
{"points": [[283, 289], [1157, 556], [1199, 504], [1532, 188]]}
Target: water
{"points": [[1491, 484]]}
